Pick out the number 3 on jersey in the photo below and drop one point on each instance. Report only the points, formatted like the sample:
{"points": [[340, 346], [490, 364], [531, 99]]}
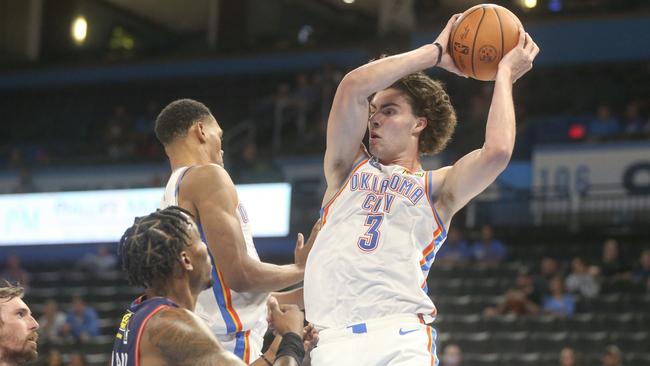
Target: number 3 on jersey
{"points": [[370, 240]]}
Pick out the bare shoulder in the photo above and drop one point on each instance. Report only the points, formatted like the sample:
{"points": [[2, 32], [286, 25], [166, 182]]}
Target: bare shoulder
{"points": [[438, 177], [205, 180], [440, 196], [178, 337], [207, 174]]}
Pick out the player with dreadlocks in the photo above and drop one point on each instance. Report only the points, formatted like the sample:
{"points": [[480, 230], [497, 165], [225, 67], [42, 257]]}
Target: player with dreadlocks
{"points": [[163, 253]]}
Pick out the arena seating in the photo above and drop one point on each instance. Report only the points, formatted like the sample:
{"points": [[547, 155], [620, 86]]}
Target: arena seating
{"points": [[620, 315]]}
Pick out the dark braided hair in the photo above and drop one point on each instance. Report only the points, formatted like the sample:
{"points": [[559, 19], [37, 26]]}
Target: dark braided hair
{"points": [[150, 248]]}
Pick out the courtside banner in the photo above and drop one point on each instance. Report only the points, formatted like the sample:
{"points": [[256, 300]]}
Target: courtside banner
{"points": [[102, 216]]}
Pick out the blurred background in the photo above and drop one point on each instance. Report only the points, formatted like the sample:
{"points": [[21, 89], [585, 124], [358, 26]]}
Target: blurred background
{"points": [[549, 266]]}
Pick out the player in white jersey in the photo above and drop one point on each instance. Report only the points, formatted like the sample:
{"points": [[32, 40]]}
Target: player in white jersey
{"points": [[235, 307], [383, 217]]}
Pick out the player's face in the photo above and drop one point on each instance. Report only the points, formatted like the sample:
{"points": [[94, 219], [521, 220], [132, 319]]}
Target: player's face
{"points": [[215, 137], [391, 124], [202, 274], [18, 335]]}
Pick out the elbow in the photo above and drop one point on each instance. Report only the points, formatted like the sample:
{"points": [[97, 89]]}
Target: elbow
{"points": [[238, 281], [498, 157], [352, 83]]}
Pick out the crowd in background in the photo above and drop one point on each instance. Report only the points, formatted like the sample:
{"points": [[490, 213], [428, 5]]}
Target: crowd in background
{"points": [[554, 286], [287, 115]]}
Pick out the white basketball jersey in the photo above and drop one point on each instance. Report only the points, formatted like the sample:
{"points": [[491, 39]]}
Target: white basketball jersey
{"points": [[372, 256], [225, 310]]}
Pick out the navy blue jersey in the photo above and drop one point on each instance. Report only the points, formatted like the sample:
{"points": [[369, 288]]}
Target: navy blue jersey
{"points": [[127, 340]]}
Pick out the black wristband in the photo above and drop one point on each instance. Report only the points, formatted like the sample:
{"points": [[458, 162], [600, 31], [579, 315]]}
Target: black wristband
{"points": [[439, 53], [291, 345]]}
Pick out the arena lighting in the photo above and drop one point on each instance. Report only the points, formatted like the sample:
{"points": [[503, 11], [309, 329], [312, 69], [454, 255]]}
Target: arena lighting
{"points": [[555, 5], [79, 30], [529, 4]]}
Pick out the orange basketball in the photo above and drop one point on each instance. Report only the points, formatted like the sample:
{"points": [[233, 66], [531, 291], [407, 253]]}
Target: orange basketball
{"points": [[480, 38]]}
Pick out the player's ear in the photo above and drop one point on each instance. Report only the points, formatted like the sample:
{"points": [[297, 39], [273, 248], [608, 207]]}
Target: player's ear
{"points": [[186, 262], [420, 124], [199, 130]]}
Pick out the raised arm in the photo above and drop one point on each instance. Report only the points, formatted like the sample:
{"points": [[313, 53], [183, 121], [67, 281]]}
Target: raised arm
{"points": [[214, 198], [477, 170], [348, 117], [177, 337]]}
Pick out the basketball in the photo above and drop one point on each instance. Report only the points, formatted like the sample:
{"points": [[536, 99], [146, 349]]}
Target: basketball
{"points": [[480, 38]]}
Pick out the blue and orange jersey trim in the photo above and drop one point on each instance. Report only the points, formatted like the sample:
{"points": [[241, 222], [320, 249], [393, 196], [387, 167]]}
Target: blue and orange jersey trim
{"points": [[243, 346], [178, 182], [431, 335], [325, 209], [439, 234], [141, 330], [223, 295]]}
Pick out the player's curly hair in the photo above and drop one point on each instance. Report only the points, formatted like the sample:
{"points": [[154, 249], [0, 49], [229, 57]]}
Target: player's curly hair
{"points": [[150, 248], [9, 291], [428, 99], [177, 118]]}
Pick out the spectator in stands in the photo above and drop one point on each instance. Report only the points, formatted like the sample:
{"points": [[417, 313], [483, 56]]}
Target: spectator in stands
{"points": [[642, 270], [18, 328], [514, 302], [452, 355], [52, 323], [568, 357], [118, 139], [525, 284], [604, 126], [54, 357], [82, 320], [612, 267], [581, 281], [147, 145], [548, 269], [633, 124], [613, 356], [14, 272], [100, 262], [559, 302], [25, 182], [77, 359], [488, 250], [455, 251], [251, 168]]}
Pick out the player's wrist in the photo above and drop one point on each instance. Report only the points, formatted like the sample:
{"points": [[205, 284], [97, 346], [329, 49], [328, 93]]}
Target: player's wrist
{"points": [[439, 51], [504, 74], [291, 346]]}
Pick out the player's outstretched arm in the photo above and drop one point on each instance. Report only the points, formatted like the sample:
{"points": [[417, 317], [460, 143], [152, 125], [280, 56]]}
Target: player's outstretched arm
{"points": [[348, 117], [213, 194], [177, 337], [478, 169]]}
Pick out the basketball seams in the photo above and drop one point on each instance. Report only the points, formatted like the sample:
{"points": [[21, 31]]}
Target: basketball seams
{"points": [[459, 21], [478, 27], [496, 12]]}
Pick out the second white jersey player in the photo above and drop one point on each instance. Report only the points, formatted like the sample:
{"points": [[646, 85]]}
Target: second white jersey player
{"points": [[237, 319]]}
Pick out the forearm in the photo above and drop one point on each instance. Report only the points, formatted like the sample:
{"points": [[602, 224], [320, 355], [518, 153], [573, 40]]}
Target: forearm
{"points": [[382, 73], [500, 127], [267, 277], [291, 297]]}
